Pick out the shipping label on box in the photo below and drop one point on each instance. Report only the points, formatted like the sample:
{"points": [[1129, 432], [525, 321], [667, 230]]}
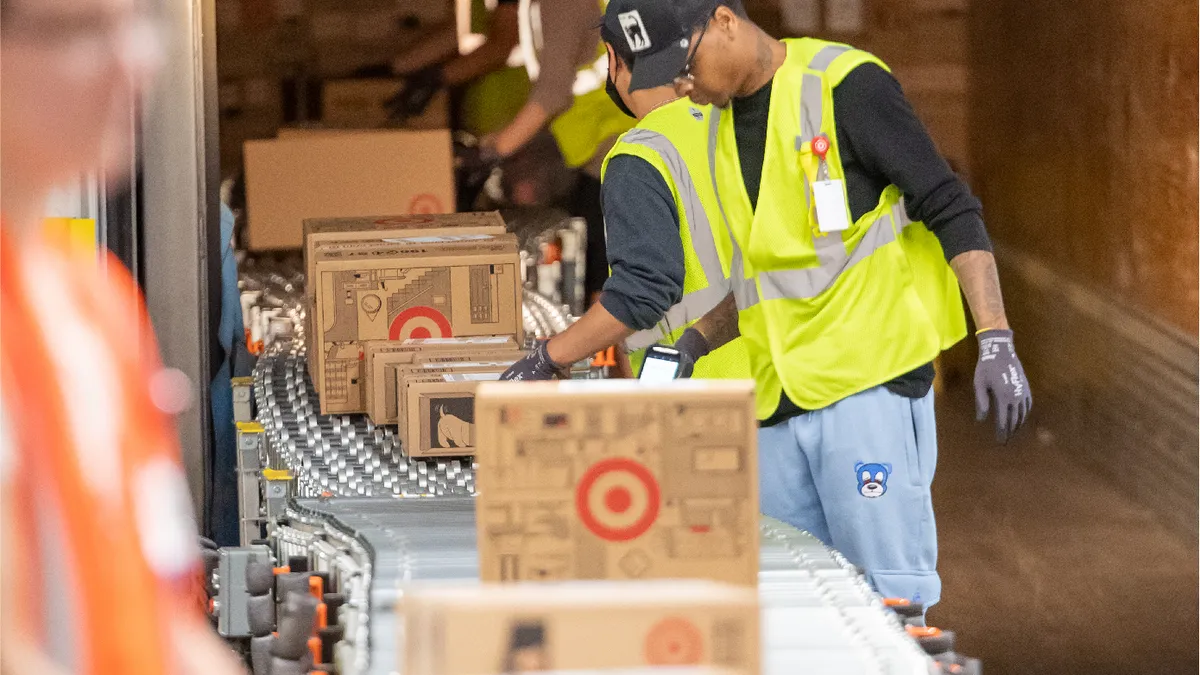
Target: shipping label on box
{"points": [[617, 479], [383, 356], [289, 180], [447, 290], [580, 626]]}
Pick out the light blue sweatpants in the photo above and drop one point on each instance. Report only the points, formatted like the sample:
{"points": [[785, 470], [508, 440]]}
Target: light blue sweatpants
{"points": [[856, 475]]}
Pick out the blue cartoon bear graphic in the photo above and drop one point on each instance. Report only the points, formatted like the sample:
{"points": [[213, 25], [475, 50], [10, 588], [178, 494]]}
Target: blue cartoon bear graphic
{"points": [[872, 479]]}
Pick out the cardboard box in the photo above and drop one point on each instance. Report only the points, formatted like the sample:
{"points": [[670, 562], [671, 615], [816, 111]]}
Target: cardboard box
{"points": [[381, 357], [438, 416], [396, 291], [355, 174], [617, 479], [579, 626], [373, 229], [360, 103]]}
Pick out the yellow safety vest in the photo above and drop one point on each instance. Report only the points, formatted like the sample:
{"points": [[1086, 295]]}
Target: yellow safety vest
{"points": [[492, 100], [674, 140], [829, 315]]}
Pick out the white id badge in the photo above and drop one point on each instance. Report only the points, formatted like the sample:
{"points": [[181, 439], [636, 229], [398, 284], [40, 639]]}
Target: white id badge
{"points": [[830, 196]]}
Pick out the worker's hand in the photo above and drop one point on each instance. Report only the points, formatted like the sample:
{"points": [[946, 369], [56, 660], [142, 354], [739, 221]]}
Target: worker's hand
{"points": [[536, 365], [999, 376], [415, 95], [692, 346], [473, 165]]}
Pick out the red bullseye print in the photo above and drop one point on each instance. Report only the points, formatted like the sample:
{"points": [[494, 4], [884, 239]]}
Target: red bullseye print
{"points": [[420, 322], [617, 499], [425, 203], [674, 642]]}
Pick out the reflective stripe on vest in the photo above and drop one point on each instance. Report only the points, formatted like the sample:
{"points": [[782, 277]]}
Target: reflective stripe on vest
{"points": [[745, 291], [697, 303], [811, 111], [832, 256]]}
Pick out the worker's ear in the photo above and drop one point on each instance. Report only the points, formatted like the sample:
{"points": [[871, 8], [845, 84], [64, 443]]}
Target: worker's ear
{"points": [[614, 63], [724, 21]]}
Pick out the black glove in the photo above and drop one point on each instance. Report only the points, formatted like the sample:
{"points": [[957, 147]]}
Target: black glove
{"points": [[999, 374], [691, 347], [473, 165], [536, 365], [415, 95]]}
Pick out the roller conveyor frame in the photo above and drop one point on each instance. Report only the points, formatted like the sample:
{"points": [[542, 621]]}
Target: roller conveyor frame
{"points": [[802, 583]]}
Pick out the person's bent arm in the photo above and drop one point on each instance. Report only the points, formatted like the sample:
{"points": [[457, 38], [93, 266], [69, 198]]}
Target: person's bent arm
{"points": [[567, 30], [646, 256], [529, 121], [976, 272], [878, 124], [595, 331], [720, 326], [502, 37], [440, 44]]}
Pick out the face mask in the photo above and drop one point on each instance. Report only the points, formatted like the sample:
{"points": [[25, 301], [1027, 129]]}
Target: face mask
{"points": [[611, 89]]}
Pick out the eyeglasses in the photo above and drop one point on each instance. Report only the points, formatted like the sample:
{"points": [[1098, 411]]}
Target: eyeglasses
{"points": [[685, 75]]}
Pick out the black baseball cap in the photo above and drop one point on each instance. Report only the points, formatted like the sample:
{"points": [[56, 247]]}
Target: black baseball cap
{"points": [[654, 35]]}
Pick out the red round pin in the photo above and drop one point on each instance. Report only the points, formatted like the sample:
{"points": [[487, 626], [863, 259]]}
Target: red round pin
{"points": [[820, 146]]}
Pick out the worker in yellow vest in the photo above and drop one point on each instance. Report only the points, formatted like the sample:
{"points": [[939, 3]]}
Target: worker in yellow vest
{"points": [[568, 98], [495, 90], [669, 248], [858, 237]]}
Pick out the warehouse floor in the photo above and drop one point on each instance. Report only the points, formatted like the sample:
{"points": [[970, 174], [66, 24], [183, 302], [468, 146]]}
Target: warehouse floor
{"points": [[1049, 569]]}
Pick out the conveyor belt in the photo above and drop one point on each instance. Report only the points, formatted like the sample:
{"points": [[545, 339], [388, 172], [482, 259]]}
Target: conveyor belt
{"points": [[342, 455], [819, 615]]}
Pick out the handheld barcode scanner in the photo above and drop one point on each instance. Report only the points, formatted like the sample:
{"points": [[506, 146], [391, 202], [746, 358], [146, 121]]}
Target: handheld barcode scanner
{"points": [[660, 365]]}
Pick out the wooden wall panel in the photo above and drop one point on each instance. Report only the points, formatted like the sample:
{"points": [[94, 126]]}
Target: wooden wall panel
{"points": [[1083, 120], [1084, 142]]}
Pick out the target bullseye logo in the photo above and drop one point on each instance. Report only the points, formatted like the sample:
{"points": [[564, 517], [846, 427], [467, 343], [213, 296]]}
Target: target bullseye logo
{"points": [[419, 322], [425, 203], [674, 641], [617, 499]]}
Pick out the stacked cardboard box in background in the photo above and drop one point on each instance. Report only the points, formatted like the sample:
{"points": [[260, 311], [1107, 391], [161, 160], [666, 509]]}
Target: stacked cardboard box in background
{"points": [[325, 175], [293, 62], [616, 479], [578, 626]]}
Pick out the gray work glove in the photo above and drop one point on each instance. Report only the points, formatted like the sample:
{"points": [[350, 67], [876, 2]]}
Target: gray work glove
{"points": [[999, 375], [692, 346], [536, 365]]}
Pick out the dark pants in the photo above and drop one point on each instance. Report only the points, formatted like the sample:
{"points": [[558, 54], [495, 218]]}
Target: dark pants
{"points": [[585, 203]]}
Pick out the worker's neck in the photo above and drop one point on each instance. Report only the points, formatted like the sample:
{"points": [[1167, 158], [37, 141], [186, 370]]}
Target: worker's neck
{"points": [[644, 102], [769, 55]]}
